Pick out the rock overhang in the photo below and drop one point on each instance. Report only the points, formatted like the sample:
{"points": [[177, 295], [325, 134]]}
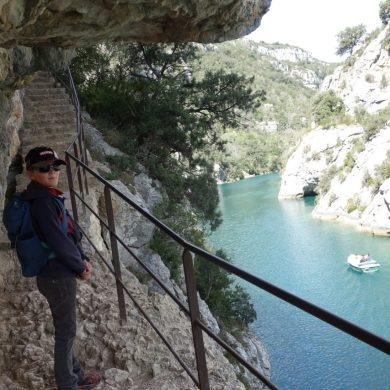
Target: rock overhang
{"points": [[75, 23]]}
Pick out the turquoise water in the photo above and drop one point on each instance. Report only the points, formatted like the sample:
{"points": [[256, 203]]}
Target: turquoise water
{"points": [[280, 242]]}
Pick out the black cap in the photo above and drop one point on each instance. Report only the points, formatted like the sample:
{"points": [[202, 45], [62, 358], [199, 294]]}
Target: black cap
{"points": [[41, 156]]}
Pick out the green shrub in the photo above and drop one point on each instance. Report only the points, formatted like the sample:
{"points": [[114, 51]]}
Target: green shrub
{"points": [[327, 106], [384, 11], [122, 163], [332, 198], [353, 204], [111, 175], [383, 170], [228, 301], [367, 179], [386, 42], [349, 161], [384, 82], [369, 78], [349, 61], [326, 179], [372, 123]]}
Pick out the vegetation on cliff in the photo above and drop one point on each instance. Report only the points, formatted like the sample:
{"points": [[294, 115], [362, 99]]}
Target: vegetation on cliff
{"points": [[266, 136], [164, 116]]}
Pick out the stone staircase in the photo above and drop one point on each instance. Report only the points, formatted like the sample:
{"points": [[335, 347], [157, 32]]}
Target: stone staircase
{"points": [[49, 119]]}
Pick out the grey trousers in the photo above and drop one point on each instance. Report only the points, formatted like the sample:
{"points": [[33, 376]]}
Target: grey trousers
{"points": [[61, 296]]}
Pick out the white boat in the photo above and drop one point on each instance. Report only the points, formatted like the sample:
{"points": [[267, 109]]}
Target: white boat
{"points": [[364, 263]]}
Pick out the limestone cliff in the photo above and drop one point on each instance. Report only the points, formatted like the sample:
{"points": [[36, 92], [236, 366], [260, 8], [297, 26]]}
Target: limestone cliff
{"points": [[77, 22], [346, 166], [365, 84]]}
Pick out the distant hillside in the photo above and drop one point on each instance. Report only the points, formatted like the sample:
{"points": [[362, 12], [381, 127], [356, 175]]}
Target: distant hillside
{"points": [[290, 77]]}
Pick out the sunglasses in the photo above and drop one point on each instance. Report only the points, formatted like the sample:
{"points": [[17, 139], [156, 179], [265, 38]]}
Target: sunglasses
{"points": [[48, 168]]}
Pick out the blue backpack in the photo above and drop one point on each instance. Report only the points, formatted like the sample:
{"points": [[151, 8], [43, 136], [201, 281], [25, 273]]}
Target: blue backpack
{"points": [[33, 253]]}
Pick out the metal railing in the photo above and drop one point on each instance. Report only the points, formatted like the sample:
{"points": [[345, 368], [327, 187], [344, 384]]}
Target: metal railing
{"points": [[201, 380]]}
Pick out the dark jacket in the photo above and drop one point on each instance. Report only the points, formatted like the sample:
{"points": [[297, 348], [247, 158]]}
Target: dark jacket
{"points": [[45, 216]]}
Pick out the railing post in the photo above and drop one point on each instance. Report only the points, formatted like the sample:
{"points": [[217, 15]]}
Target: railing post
{"points": [[76, 153], [115, 254], [195, 316], [71, 189], [84, 154]]}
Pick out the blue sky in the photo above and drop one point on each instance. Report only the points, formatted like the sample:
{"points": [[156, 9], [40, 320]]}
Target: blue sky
{"points": [[314, 24]]}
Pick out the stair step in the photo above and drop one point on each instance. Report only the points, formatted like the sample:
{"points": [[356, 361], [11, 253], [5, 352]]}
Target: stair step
{"points": [[32, 116], [46, 135], [47, 97], [37, 105], [50, 110], [42, 73], [49, 116], [42, 83], [49, 122], [58, 146], [32, 91], [48, 131]]}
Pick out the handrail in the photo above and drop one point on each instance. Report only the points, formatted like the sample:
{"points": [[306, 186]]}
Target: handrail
{"points": [[198, 327], [356, 331]]}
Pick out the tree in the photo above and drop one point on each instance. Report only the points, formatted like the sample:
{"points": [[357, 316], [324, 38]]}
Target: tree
{"points": [[384, 11], [349, 38], [167, 117]]}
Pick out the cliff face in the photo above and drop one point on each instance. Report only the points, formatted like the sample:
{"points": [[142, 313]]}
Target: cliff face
{"points": [[365, 84], [293, 61], [347, 166], [344, 170]]}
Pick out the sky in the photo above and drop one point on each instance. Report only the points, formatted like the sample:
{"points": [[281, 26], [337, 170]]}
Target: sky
{"points": [[314, 24]]}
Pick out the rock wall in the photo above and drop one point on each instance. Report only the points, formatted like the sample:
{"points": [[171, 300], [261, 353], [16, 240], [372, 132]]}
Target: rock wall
{"points": [[11, 119], [308, 163], [82, 23], [347, 174], [365, 84]]}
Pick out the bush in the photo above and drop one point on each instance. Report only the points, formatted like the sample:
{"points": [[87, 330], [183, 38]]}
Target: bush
{"points": [[327, 106], [324, 184], [228, 301], [122, 163], [386, 42], [353, 204], [384, 11], [349, 161], [332, 198], [384, 82], [372, 123]]}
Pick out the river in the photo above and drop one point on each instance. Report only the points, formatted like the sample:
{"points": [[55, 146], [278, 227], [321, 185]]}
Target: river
{"points": [[280, 242]]}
